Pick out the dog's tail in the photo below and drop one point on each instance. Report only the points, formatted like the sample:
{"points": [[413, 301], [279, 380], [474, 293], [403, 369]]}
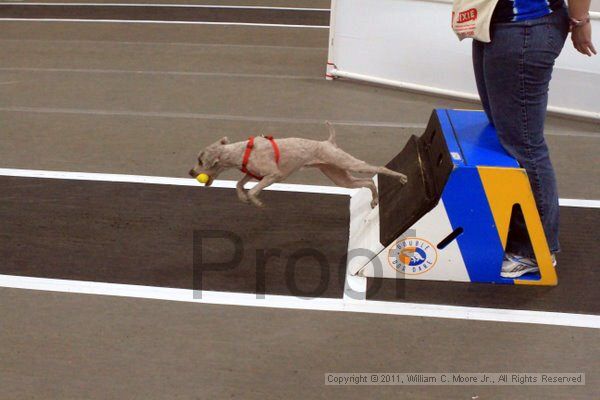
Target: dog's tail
{"points": [[331, 138]]}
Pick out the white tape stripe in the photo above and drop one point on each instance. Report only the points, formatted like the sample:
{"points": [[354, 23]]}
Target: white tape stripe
{"points": [[169, 73], [382, 124], [590, 135], [143, 21], [290, 302], [157, 180], [166, 5], [154, 44], [160, 180], [224, 117], [579, 203]]}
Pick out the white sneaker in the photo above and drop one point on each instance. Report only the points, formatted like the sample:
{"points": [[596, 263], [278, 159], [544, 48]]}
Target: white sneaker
{"points": [[515, 266]]}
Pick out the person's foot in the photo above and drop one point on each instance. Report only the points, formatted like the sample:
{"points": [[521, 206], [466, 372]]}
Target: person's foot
{"points": [[515, 266]]}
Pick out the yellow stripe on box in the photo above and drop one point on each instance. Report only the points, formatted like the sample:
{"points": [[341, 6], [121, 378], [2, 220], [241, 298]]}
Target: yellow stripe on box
{"points": [[505, 187]]}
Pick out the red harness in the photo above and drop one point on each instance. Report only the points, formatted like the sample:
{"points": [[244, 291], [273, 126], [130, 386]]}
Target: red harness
{"points": [[249, 147]]}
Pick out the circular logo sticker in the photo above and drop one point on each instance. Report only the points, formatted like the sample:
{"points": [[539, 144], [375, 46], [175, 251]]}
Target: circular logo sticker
{"points": [[412, 256]]}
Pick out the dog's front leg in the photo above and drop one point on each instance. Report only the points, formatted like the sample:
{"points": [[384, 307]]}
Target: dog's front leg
{"points": [[239, 188], [263, 183]]}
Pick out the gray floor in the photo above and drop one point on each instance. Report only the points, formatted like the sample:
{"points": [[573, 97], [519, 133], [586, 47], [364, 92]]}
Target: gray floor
{"points": [[136, 121], [82, 93], [61, 346]]}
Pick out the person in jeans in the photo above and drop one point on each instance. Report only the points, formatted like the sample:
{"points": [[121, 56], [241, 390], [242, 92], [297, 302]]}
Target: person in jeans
{"points": [[513, 73]]}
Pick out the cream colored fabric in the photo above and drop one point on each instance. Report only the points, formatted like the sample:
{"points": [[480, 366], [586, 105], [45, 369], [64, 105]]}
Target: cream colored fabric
{"points": [[472, 18]]}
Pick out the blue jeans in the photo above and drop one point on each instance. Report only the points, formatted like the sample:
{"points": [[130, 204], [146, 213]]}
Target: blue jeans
{"points": [[513, 73]]}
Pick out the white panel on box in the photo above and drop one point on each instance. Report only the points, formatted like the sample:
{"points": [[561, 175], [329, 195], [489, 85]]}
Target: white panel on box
{"points": [[417, 257], [363, 243]]}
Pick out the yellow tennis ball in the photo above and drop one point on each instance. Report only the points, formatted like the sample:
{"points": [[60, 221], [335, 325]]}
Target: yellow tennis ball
{"points": [[202, 178]]}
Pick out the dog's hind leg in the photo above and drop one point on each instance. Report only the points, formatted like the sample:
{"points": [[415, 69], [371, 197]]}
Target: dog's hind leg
{"points": [[364, 168], [344, 179], [386, 171], [340, 159]]}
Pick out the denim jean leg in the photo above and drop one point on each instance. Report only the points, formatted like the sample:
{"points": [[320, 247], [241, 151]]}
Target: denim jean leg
{"points": [[477, 54], [517, 68]]}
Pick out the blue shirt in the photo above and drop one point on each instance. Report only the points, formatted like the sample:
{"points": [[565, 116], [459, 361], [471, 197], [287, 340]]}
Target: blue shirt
{"points": [[521, 10]]}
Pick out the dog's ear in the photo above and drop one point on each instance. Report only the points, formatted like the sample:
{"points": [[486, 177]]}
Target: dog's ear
{"points": [[224, 140]]}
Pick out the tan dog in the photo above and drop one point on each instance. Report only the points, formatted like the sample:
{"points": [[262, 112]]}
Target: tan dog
{"points": [[272, 161]]}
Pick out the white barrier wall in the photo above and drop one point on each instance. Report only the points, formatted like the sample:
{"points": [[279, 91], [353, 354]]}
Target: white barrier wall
{"points": [[409, 44]]}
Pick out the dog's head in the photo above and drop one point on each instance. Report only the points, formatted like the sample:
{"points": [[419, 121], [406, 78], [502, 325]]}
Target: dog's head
{"points": [[209, 161]]}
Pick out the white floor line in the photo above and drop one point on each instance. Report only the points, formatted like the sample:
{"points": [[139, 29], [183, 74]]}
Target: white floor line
{"points": [[590, 135], [296, 303], [579, 203], [162, 180], [168, 73], [165, 5], [158, 180], [154, 44], [222, 117], [143, 21]]}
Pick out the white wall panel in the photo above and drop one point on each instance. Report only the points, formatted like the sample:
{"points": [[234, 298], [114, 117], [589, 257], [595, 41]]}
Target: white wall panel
{"points": [[409, 43]]}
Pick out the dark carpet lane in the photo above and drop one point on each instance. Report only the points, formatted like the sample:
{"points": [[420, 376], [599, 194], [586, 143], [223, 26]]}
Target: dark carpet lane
{"points": [[144, 235], [578, 289], [167, 13]]}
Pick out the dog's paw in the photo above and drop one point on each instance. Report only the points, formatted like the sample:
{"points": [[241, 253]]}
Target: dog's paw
{"points": [[403, 179], [374, 203], [256, 202], [243, 197]]}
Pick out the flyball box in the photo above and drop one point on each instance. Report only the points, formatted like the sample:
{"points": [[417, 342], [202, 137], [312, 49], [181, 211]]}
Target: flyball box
{"points": [[450, 222]]}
